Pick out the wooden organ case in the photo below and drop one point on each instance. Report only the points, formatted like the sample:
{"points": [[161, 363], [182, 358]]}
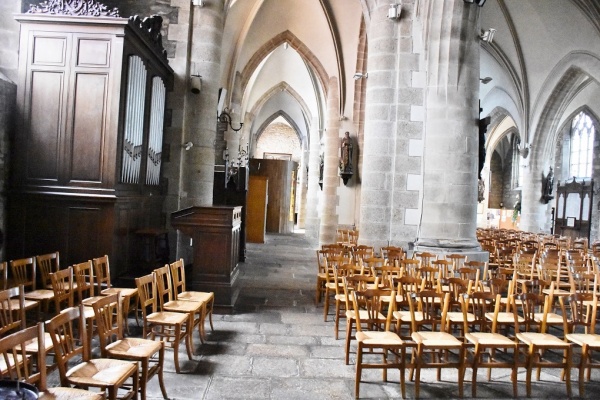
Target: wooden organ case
{"points": [[88, 145]]}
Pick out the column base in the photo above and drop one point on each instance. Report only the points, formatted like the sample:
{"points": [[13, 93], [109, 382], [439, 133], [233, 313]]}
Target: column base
{"points": [[469, 248]]}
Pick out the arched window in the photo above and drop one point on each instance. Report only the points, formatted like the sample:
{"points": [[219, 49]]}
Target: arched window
{"points": [[582, 146]]}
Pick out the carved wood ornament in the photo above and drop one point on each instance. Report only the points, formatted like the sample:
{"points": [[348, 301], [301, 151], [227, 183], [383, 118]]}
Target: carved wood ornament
{"points": [[90, 8]]}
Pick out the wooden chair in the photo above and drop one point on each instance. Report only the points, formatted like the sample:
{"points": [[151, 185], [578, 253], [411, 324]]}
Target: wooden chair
{"points": [[64, 289], [24, 273], [540, 342], [13, 347], [83, 274], [170, 327], [351, 284], [486, 341], [330, 283], [339, 273], [425, 257], [374, 338], [434, 345], [180, 293], [47, 264], [105, 287], [410, 267], [167, 302], [458, 261], [580, 311], [11, 318], [109, 375], [149, 354]]}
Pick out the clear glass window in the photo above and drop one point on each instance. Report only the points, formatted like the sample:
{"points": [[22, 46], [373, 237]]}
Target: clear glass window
{"points": [[582, 146]]}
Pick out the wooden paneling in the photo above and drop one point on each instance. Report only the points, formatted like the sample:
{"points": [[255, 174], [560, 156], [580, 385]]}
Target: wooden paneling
{"points": [[88, 127], [45, 120], [280, 176], [257, 209]]}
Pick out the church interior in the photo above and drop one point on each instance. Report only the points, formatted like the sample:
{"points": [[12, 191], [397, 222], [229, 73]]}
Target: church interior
{"points": [[153, 131]]}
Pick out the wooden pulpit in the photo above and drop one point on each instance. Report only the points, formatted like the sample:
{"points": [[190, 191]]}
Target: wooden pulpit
{"points": [[215, 234]]}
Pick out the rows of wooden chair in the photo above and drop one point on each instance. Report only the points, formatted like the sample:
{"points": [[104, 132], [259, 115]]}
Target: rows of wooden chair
{"points": [[449, 312], [80, 302]]}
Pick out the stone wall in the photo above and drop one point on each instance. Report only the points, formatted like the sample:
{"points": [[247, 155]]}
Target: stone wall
{"points": [[279, 138], [9, 39], [509, 192]]}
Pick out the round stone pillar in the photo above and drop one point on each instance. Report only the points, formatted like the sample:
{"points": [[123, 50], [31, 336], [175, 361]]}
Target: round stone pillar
{"points": [[331, 179], [533, 212], [449, 211], [313, 190], [302, 190], [199, 123]]}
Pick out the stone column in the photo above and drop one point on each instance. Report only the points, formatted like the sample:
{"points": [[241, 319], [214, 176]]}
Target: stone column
{"points": [[302, 190], [331, 179], [200, 109], [313, 190], [377, 175], [449, 213], [533, 212]]}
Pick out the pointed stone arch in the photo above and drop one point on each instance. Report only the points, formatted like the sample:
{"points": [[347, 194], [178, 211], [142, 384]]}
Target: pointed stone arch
{"points": [[285, 37], [272, 118]]}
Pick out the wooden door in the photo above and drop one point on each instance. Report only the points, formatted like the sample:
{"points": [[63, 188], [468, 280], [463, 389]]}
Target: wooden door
{"points": [[258, 194]]}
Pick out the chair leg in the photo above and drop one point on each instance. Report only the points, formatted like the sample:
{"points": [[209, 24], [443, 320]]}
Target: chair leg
{"points": [[530, 355], [358, 371], [582, 370], [159, 372], [337, 319], [326, 305], [176, 348], [568, 357], [349, 323], [474, 368]]}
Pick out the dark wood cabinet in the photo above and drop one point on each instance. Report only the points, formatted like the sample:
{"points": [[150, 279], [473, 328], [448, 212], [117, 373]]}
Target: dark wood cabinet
{"points": [[215, 234], [88, 145]]}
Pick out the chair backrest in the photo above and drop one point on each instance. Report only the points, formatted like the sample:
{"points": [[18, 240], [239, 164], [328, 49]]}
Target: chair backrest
{"points": [[410, 266], [527, 305], [353, 283], [445, 268], [178, 275], [69, 338], [371, 302], [109, 319], [102, 273], [479, 304], [23, 272], [84, 278], [62, 285], [458, 260], [146, 286], [14, 354], [11, 318], [433, 306], [3, 275], [425, 257], [47, 264], [164, 291], [579, 311]]}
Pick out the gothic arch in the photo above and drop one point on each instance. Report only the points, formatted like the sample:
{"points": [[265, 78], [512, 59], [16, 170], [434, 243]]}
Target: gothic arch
{"points": [[567, 79], [284, 87], [296, 44]]}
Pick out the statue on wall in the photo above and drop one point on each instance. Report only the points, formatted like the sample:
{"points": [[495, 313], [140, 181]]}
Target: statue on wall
{"points": [[547, 186], [346, 154]]}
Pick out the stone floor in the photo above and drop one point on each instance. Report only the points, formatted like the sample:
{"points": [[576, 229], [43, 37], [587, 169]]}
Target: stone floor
{"points": [[276, 345]]}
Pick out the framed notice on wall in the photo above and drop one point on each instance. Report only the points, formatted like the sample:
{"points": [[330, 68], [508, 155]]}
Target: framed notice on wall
{"points": [[571, 222]]}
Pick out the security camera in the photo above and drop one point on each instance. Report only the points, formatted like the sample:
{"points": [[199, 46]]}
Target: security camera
{"points": [[188, 145], [196, 83]]}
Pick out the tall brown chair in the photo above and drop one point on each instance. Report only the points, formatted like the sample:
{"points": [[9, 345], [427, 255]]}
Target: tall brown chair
{"points": [[373, 336], [108, 375], [105, 287], [170, 327], [47, 264], [14, 347], [167, 302], [149, 354], [24, 273], [181, 293]]}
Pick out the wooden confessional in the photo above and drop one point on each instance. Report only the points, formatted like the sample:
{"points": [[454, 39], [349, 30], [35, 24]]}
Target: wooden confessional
{"points": [[574, 208], [87, 151]]}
